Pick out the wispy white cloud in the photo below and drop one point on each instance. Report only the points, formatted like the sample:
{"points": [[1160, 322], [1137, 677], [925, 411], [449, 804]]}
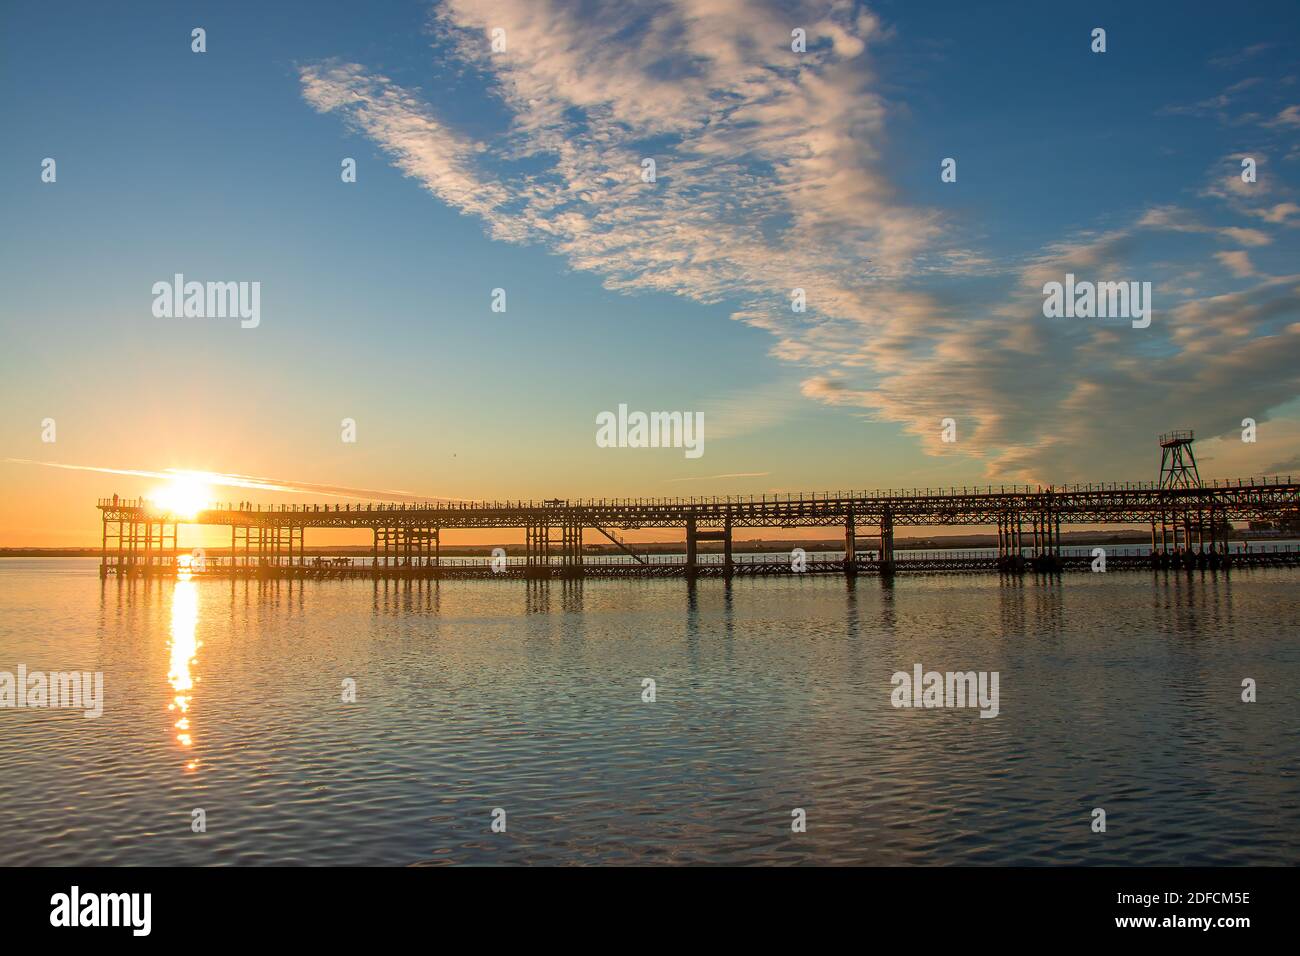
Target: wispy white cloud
{"points": [[752, 409], [1237, 262], [1289, 117], [1221, 106], [767, 160], [1245, 54], [771, 178]]}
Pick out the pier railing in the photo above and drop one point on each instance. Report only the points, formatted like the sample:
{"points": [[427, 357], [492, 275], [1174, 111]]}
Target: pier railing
{"points": [[954, 492]]}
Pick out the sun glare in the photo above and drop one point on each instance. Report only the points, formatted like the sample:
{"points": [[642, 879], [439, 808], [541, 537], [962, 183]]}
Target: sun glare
{"points": [[183, 496]]}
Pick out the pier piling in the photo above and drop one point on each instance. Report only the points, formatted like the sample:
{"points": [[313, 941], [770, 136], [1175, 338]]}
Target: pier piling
{"points": [[140, 539]]}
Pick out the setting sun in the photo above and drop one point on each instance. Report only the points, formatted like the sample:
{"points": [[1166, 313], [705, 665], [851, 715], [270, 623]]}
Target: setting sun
{"points": [[184, 496]]}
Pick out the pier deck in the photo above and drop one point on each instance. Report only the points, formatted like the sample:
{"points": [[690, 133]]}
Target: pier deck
{"points": [[1189, 528]]}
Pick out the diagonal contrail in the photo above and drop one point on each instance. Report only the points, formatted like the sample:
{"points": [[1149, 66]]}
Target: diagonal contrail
{"points": [[251, 482], [737, 474]]}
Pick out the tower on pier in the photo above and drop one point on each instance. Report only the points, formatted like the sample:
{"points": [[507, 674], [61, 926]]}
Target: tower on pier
{"points": [[1178, 461]]}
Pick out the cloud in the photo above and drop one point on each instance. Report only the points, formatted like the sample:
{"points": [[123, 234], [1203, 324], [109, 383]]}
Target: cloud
{"points": [[1236, 262], [1245, 235], [1289, 117], [751, 409], [1173, 219], [1218, 106], [771, 178], [1040, 399], [1242, 55], [1268, 198], [767, 160], [421, 147], [1279, 213]]}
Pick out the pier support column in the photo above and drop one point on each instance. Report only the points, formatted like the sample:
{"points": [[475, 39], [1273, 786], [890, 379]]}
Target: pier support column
{"points": [[887, 544], [727, 566], [690, 546], [571, 549], [850, 545], [537, 551]]}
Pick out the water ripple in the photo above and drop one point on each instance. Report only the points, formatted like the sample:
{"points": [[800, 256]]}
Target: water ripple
{"points": [[1118, 691]]}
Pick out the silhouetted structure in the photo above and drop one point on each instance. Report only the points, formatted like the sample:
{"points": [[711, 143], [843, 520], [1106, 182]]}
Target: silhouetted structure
{"points": [[1178, 461], [406, 537]]}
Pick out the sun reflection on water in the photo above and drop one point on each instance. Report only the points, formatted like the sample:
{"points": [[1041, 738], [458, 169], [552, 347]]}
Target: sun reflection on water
{"points": [[184, 654]]}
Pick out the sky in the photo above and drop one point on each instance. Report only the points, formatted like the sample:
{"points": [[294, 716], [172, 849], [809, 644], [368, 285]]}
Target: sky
{"points": [[521, 168]]}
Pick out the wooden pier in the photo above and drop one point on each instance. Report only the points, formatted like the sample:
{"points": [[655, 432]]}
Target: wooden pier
{"points": [[1189, 527]]}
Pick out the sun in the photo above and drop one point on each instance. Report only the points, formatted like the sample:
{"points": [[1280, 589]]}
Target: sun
{"points": [[183, 496]]}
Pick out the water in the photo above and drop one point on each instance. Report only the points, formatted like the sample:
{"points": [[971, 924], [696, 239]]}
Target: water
{"points": [[1119, 691]]}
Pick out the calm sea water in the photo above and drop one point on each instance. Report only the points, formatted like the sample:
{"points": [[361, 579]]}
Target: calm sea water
{"points": [[1119, 691]]}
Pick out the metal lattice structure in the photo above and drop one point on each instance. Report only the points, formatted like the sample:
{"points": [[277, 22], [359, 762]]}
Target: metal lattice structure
{"points": [[406, 536], [1178, 461]]}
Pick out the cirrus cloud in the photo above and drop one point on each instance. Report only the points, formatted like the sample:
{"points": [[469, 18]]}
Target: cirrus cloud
{"points": [[772, 176]]}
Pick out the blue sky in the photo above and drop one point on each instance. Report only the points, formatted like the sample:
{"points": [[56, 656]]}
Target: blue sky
{"points": [[479, 170]]}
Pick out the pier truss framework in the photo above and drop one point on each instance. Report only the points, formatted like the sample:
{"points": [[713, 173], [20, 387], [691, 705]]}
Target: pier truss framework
{"points": [[1183, 520]]}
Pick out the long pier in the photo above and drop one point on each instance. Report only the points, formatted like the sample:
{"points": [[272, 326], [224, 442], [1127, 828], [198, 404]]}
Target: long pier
{"points": [[1190, 527]]}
